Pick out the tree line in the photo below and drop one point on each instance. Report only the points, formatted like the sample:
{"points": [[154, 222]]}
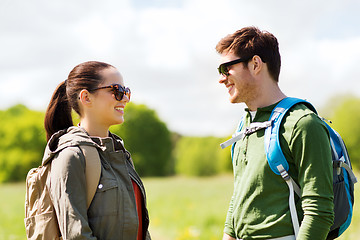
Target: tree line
{"points": [[156, 150]]}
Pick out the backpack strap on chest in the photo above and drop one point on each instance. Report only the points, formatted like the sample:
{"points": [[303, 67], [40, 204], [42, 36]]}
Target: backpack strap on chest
{"points": [[240, 134], [92, 171]]}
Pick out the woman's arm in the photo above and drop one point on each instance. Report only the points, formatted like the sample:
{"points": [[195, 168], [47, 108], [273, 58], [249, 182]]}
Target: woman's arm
{"points": [[68, 191]]}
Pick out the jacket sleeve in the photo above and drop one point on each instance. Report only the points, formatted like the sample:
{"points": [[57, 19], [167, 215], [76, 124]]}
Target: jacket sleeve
{"points": [[68, 191], [312, 154]]}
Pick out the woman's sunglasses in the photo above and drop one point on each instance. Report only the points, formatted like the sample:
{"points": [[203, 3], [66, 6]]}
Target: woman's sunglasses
{"points": [[118, 91]]}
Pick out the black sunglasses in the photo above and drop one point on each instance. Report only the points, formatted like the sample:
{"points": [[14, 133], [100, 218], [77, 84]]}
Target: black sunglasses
{"points": [[118, 90], [224, 67]]}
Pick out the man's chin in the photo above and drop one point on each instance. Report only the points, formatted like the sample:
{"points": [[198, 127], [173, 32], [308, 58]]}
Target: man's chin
{"points": [[234, 100]]}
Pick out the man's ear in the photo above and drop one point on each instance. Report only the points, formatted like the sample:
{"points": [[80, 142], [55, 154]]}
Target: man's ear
{"points": [[85, 97], [256, 64]]}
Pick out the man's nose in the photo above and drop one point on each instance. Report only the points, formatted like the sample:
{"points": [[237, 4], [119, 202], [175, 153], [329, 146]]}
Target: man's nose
{"points": [[222, 78]]}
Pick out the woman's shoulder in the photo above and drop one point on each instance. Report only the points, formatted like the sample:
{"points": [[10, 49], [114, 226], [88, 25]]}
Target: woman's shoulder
{"points": [[69, 155]]}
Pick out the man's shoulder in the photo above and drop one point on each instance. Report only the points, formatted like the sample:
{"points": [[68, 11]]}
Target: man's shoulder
{"points": [[301, 117], [301, 112]]}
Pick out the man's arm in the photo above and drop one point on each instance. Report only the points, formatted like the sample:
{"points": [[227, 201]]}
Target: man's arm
{"points": [[312, 154]]}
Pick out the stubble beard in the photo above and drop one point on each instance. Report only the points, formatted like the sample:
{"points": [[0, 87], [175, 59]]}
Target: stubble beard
{"points": [[245, 94]]}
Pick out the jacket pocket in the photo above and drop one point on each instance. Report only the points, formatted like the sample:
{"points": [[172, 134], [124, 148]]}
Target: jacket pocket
{"points": [[106, 199]]}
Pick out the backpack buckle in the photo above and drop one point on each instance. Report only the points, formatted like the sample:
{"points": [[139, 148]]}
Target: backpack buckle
{"points": [[256, 126], [338, 165]]}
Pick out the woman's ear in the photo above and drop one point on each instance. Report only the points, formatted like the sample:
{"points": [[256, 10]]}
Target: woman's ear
{"points": [[85, 97]]}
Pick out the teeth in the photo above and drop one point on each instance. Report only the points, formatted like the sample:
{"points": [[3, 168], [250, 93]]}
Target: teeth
{"points": [[119, 108]]}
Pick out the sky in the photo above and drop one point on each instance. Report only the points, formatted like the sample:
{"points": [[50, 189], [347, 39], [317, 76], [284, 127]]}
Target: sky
{"points": [[165, 50]]}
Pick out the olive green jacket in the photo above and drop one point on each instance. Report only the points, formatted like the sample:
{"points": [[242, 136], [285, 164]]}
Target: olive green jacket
{"points": [[112, 213]]}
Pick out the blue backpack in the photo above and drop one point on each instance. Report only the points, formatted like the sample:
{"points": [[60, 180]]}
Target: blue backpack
{"points": [[343, 176]]}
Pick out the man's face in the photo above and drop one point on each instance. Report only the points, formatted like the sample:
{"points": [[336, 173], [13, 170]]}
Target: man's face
{"points": [[239, 82]]}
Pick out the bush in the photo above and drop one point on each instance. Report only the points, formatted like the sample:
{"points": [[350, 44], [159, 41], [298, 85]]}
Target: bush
{"points": [[148, 140], [22, 142], [346, 118], [201, 156]]}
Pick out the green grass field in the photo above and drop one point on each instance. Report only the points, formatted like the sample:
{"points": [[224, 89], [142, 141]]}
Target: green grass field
{"points": [[180, 208]]}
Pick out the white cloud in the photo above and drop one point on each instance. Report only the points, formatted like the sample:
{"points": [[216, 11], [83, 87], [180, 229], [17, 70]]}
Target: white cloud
{"points": [[320, 68], [343, 55], [166, 51], [96, 35], [162, 32]]}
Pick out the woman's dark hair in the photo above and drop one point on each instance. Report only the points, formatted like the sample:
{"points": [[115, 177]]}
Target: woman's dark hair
{"points": [[87, 76], [250, 41]]}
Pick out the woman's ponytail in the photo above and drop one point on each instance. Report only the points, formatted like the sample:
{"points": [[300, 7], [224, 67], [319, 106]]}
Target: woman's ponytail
{"points": [[58, 113]]}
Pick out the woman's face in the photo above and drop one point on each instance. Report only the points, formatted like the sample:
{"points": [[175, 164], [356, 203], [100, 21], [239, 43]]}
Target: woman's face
{"points": [[106, 110]]}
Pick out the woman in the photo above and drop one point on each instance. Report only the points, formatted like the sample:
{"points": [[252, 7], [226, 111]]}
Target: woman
{"points": [[96, 92]]}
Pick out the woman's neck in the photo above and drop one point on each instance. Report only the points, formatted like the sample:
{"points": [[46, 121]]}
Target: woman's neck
{"points": [[94, 129]]}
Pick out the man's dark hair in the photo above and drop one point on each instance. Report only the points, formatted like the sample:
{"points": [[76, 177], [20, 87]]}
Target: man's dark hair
{"points": [[250, 41]]}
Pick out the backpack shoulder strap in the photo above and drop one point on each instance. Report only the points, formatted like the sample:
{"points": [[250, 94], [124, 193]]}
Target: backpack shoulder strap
{"points": [[235, 137], [239, 128], [92, 171], [274, 154]]}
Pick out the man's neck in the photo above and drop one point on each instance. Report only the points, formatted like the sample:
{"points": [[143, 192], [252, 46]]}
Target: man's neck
{"points": [[266, 98]]}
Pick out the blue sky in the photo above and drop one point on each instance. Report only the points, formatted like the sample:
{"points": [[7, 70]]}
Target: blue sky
{"points": [[165, 51]]}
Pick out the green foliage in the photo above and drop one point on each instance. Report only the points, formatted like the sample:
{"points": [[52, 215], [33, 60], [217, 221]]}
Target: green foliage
{"points": [[346, 119], [22, 142], [179, 208], [201, 156], [148, 140]]}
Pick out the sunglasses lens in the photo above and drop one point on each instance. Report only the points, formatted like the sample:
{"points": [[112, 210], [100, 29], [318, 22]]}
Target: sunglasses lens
{"points": [[128, 92], [119, 92], [119, 95], [223, 70]]}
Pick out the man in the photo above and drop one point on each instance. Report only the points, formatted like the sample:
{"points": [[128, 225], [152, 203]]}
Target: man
{"points": [[259, 207]]}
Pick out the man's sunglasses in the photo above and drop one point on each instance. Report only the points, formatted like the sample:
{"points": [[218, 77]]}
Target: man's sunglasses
{"points": [[118, 91], [224, 67]]}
